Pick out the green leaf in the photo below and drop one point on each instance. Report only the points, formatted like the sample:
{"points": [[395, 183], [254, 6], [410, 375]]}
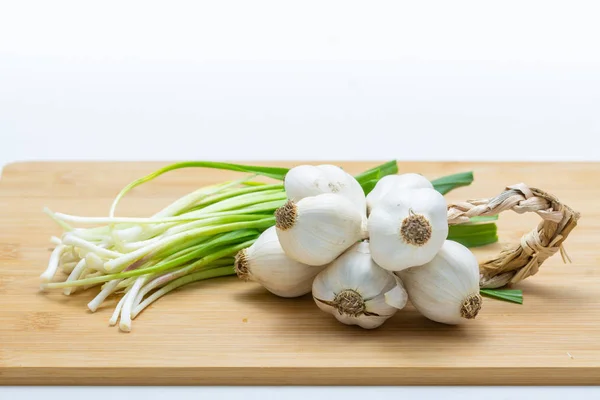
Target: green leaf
{"points": [[512, 295], [447, 183], [473, 229], [369, 185], [481, 219], [271, 172], [378, 172], [474, 235]]}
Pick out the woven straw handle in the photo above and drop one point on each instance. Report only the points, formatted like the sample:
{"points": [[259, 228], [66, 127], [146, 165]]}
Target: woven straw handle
{"points": [[522, 261]]}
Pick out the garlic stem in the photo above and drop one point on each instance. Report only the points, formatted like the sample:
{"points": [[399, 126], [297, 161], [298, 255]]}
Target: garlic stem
{"points": [[50, 271], [67, 267], [104, 293], [125, 283], [115, 315], [94, 262], [197, 276], [129, 247], [66, 227], [81, 265], [90, 276], [125, 323], [237, 193], [213, 256], [195, 197], [84, 244], [158, 280], [212, 222], [244, 201], [120, 263]]}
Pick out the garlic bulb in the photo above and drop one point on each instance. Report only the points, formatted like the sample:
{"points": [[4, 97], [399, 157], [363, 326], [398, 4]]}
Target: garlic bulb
{"points": [[316, 230], [446, 289], [407, 228], [393, 183], [356, 291], [266, 263], [309, 180]]}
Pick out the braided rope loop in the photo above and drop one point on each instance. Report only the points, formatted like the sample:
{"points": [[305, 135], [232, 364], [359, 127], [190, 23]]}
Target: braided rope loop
{"points": [[524, 260]]}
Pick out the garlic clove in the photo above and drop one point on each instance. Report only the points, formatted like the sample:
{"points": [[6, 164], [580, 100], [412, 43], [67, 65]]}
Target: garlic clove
{"points": [[266, 263], [371, 281], [316, 230], [353, 287], [397, 296], [309, 181], [366, 322], [378, 305], [407, 228], [305, 181], [391, 183], [446, 289]]}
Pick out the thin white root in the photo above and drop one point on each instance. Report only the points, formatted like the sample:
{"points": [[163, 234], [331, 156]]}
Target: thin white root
{"points": [[129, 234], [49, 273], [67, 267], [156, 282], [122, 220], [129, 247], [94, 262], [82, 252], [92, 235], [182, 281], [125, 323], [69, 255], [66, 227], [84, 244], [115, 316], [81, 265], [104, 293], [55, 240], [118, 264]]}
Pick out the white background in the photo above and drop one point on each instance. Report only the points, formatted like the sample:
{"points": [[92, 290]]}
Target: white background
{"points": [[256, 80]]}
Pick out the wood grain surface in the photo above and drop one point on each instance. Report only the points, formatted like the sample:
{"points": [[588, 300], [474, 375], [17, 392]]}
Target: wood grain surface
{"points": [[227, 332]]}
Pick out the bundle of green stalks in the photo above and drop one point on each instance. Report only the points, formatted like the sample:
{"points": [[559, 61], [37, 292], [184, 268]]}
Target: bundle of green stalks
{"points": [[193, 239]]}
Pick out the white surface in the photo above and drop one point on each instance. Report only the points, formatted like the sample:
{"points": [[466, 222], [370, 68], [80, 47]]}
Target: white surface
{"points": [[512, 80], [318, 393]]}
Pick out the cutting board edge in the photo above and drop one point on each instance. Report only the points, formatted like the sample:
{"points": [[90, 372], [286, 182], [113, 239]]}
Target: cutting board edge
{"points": [[16, 164], [297, 376]]}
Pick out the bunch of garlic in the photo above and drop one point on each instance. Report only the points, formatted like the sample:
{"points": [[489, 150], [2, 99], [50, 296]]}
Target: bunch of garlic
{"points": [[363, 257]]}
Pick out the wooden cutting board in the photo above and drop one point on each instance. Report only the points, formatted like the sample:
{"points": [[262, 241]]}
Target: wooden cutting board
{"points": [[225, 331]]}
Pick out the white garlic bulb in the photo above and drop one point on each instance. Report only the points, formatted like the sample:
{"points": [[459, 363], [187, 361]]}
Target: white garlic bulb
{"points": [[353, 289], [407, 228], [266, 263], [446, 289], [316, 230], [393, 183], [310, 180]]}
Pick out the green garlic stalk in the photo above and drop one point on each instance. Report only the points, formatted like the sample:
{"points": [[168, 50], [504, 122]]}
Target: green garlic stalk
{"points": [[193, 239]]}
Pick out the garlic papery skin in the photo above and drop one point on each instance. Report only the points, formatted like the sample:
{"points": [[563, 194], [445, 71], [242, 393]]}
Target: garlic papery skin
{"points": [[311, 180], [391, 183], [316, 230], [407, 228], [353, 289], [446, 289], [266, 263]]}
